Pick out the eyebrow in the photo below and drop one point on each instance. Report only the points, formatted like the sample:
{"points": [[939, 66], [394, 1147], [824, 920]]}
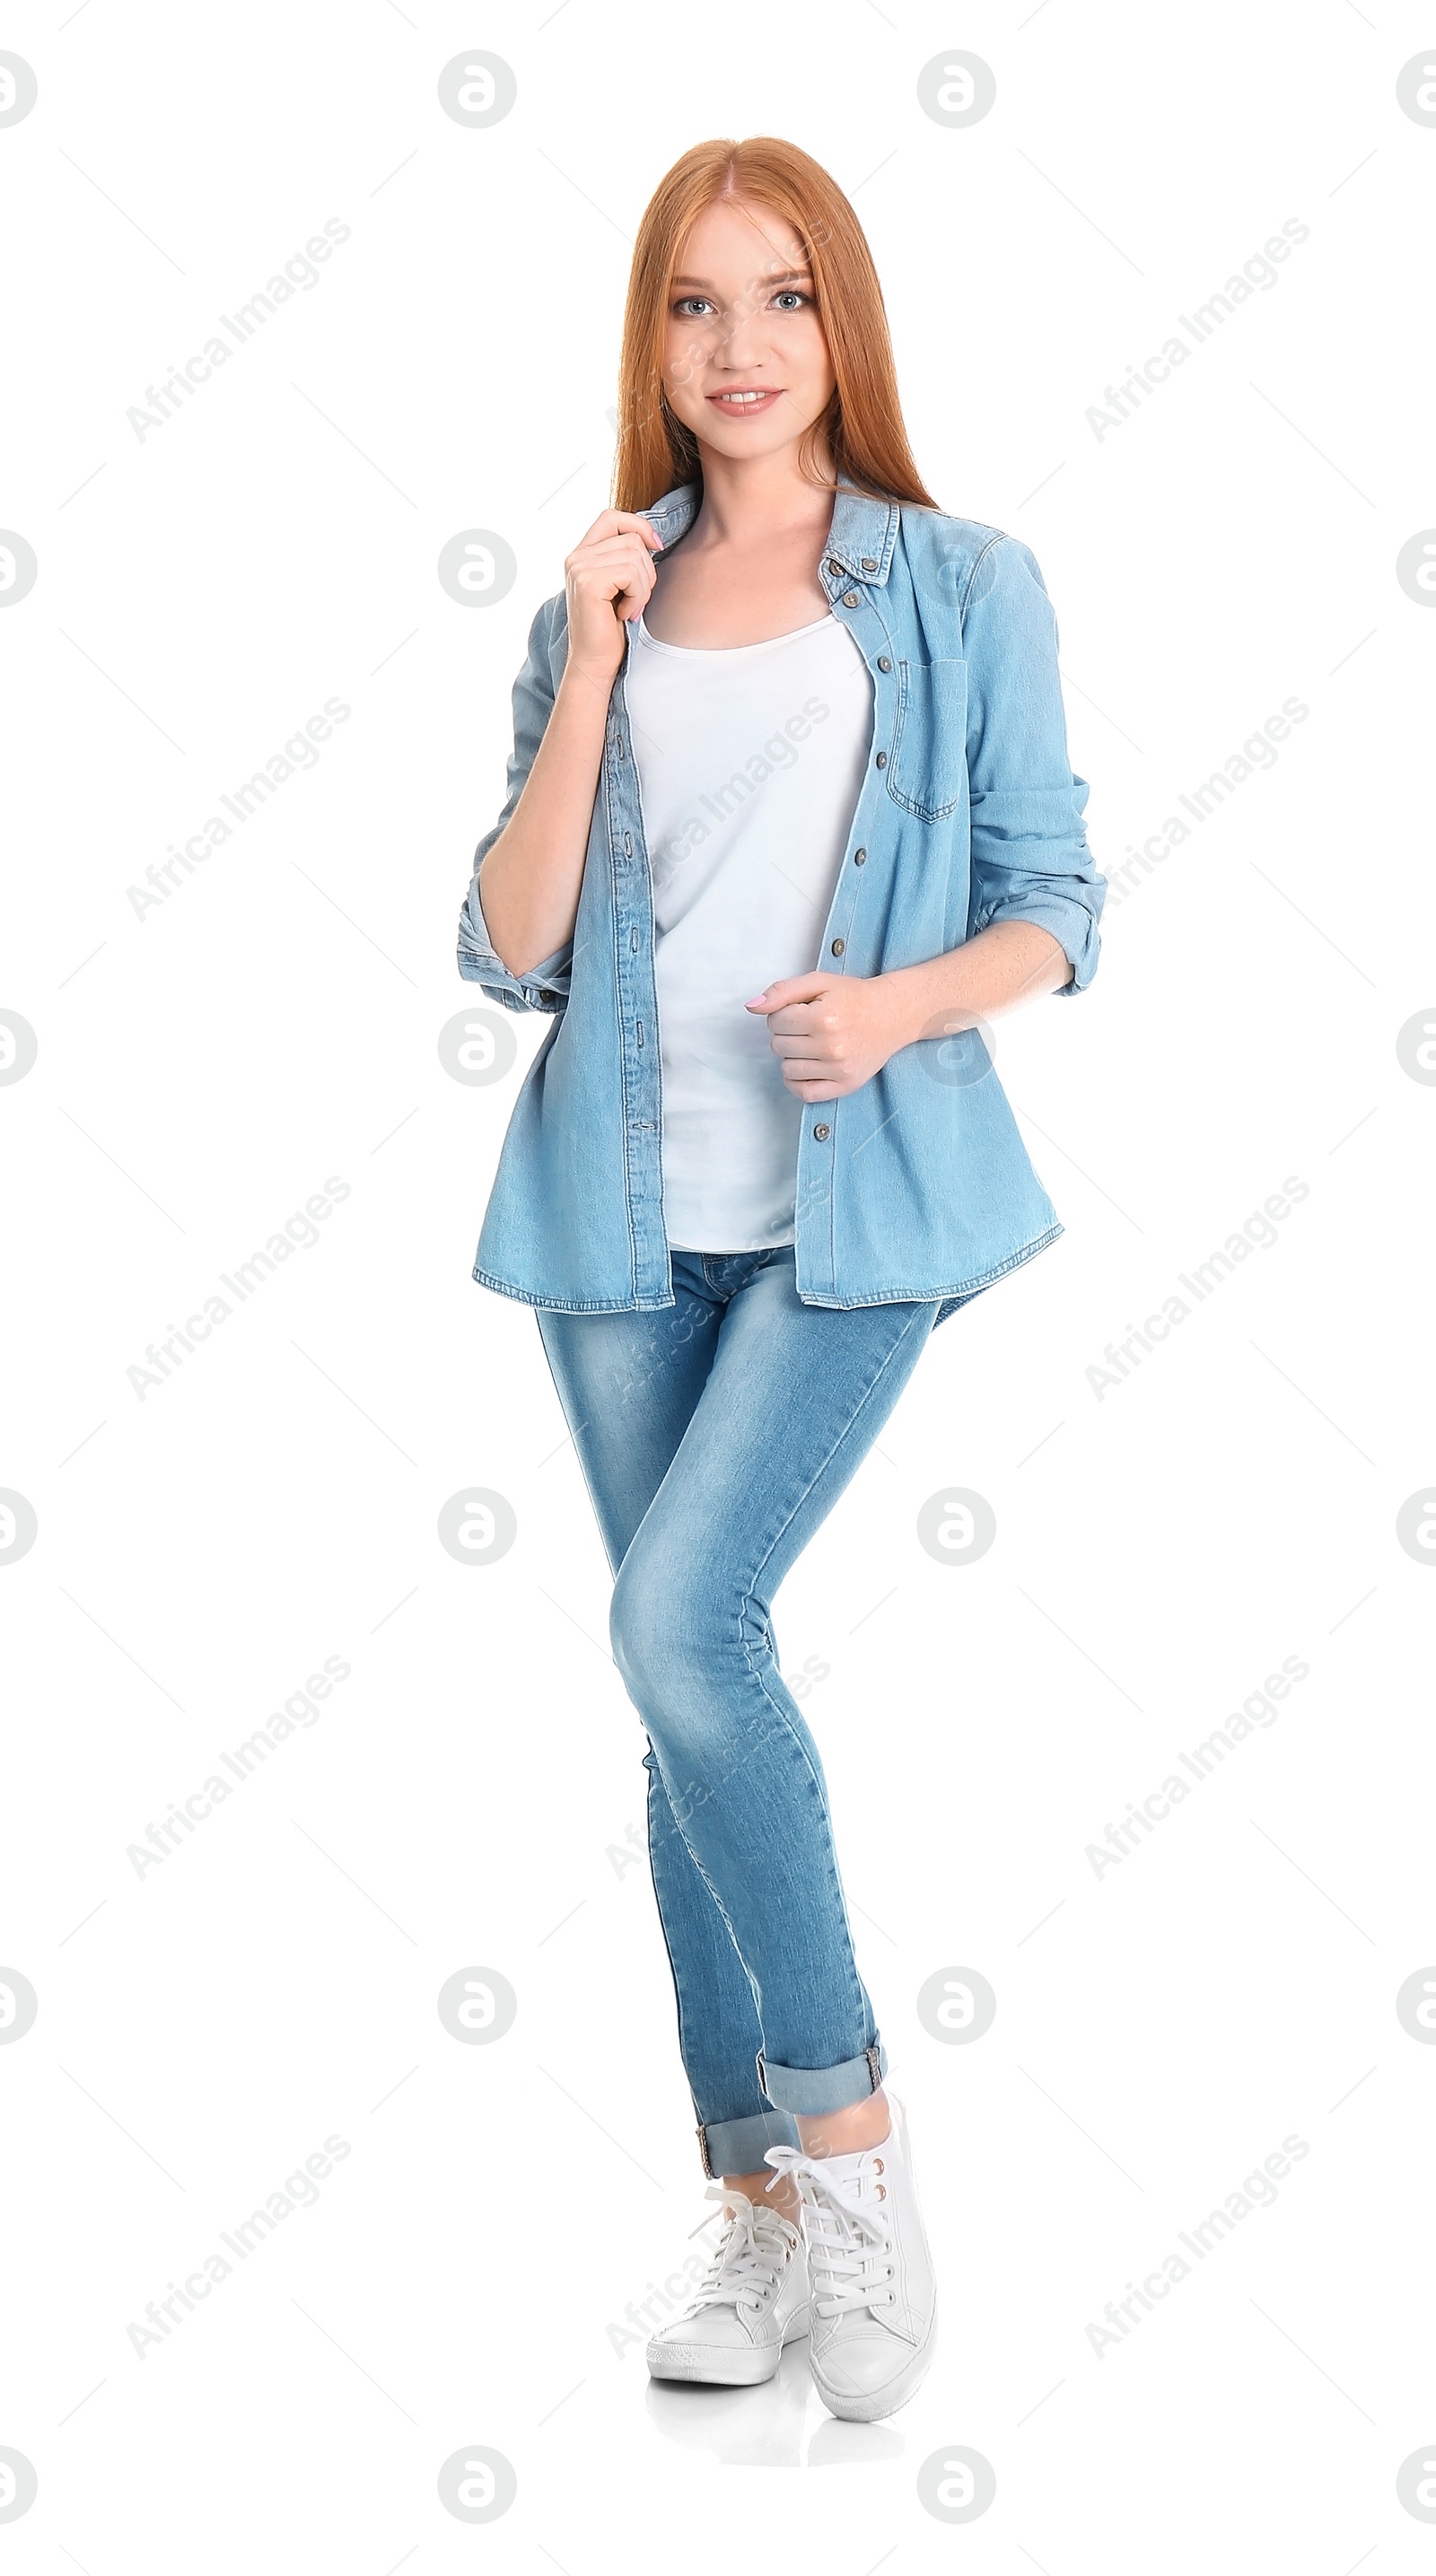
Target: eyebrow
{"points": [[788, 277]]}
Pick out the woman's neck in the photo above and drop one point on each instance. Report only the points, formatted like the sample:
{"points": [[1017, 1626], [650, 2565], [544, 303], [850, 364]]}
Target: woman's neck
{"points": [[748, 500]]}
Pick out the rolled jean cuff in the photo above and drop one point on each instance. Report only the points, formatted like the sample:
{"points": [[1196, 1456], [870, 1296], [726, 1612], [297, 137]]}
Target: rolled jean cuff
{"points": [[814, 2090], [738, 2146]]}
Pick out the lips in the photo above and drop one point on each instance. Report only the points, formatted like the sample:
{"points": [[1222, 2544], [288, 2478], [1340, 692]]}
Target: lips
{"points": [[744, 402]]}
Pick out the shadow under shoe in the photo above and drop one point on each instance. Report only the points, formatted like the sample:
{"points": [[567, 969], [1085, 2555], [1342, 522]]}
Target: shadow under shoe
{"points": [[745, 2428]]}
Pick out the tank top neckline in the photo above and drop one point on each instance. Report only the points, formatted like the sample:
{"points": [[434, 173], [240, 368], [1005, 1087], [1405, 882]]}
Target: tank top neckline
{"points": [[728, 652]]}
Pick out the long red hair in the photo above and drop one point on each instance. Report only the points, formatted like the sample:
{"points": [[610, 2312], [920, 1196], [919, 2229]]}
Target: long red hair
{"points": [[863, 423]]}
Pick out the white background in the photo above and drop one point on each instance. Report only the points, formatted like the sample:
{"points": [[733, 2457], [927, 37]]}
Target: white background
{"points": [[203, 1069]]}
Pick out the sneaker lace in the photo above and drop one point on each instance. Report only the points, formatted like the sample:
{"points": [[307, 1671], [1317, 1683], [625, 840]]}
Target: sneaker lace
{"points": [[847, 2233], [750, 2257]]}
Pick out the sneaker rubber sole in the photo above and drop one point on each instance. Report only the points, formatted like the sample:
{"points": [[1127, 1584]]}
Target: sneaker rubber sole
{"points": [[716, 2367]]}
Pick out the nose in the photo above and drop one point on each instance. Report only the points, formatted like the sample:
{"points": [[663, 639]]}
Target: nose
{"points": [[744, 344]]}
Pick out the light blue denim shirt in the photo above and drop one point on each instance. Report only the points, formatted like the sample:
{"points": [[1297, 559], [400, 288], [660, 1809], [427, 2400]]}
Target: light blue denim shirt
{"points": [[917, 1185]]}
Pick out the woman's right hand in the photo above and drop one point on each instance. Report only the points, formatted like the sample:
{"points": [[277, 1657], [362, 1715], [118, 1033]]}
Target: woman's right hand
{"points": [[609, 579]]}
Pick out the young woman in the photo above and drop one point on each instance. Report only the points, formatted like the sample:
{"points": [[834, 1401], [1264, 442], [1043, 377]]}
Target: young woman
{"points": [[789, 815]]}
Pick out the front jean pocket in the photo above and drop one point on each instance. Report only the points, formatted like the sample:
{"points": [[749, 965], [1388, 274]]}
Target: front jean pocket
{"points": [[928, 765]]}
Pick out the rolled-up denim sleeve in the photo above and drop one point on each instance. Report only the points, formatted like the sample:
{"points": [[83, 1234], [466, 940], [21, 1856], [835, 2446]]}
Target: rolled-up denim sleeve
{"points": [[546, 986], [1030, 860]]}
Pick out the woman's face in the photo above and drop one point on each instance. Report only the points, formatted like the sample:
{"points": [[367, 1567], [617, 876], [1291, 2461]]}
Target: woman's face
{"points": [[745, 358]]}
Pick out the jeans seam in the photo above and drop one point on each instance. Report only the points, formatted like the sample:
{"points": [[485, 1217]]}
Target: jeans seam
{"points": [[657, 1789], [779, 1711]]}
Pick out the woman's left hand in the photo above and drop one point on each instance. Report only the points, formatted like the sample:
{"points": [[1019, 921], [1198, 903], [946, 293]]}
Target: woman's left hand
{"points": [[834, 1032]]}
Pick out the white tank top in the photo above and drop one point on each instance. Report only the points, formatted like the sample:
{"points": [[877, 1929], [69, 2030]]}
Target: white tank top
{"points": [[749, 762]]}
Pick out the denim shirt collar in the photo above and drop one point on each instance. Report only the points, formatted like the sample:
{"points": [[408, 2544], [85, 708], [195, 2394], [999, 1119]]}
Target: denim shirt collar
{"points": [[860, 540]]}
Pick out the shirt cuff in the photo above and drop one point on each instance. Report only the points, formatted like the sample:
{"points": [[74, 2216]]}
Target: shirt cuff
{"points": [[1070, 923], [544, 988]]}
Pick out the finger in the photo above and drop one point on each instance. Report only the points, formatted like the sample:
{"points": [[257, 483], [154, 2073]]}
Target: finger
{"points": [[606, 552], [807, 1020], [618, 571], [611, 523], [814, 1086], [801, 1027], [637, 581], [619, 565], [789, 988], [640, 576], [794, 988]]}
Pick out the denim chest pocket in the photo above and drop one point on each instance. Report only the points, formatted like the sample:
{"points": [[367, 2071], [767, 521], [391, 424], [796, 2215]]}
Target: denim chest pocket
{"points": [[927, 768]]}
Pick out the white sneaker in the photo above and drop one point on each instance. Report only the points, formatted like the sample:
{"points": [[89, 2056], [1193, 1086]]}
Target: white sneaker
{"points": [[874, 2299], [753, 2301]]}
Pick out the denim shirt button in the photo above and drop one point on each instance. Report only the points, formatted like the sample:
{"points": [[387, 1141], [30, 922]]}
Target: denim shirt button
{"points": [[870, 563], [834, 566], [882, 760], [838, 946], [822, 1134], [884, 664], [860, 858], [851, 599]]}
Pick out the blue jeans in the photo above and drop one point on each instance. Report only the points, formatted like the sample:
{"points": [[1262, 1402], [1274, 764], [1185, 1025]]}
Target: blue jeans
{"points": [[715, 1436]]}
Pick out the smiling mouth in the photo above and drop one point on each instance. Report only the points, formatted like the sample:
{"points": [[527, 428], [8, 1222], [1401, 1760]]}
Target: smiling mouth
{"points": [[751, 398]]}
